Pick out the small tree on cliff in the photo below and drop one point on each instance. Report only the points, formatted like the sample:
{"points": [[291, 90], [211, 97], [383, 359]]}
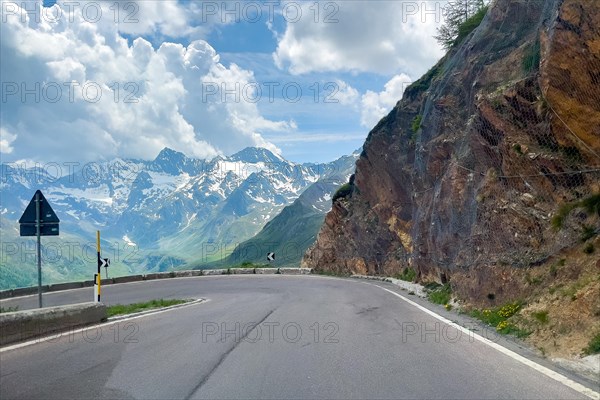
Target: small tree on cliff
{"points": [[461, 17]]}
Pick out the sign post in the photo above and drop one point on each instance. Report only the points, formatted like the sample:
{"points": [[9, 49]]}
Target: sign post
{"points": [[101, 262], [39, 219], [97, 276], [38, 233]]}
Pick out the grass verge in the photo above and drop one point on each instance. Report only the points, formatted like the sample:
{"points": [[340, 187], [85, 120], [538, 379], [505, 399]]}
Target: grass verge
{"points": [[499, 318], [122, 309]]}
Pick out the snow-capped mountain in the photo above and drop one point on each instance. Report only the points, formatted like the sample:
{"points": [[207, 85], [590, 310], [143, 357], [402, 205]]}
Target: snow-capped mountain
{"points": [[171, 211], [295, 228]]}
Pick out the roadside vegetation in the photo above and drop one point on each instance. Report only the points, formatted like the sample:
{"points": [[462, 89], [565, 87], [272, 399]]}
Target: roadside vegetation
{"points": [[590, 204], [439, 294], [8, 309], [500, 318], [121, 309], [408, 275], [593, 346]]}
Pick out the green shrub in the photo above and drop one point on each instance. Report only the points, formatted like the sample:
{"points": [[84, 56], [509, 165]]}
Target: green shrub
{"points": [[541, 316], [553, 270], [518, 149], [589, 248], [431, 285], [424, 83], [572, 154], [587, 233], [594, 346], [532, 280], [558, 219], [489, 316], [506, 328], [440, 295], [470, 25], [344, 191], [496, 316], [408, 275], [416, 123], [508, 310], [590, 204]]}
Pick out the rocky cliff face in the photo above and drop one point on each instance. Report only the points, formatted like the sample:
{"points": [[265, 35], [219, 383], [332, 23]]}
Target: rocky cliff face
{"points": [[466, 172]]}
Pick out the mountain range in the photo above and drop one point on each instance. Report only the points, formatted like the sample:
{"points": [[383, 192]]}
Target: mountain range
{"points": [[172, 212]]}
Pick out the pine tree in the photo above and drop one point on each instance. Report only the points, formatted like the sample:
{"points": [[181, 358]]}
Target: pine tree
{"points": [[457, 12]]}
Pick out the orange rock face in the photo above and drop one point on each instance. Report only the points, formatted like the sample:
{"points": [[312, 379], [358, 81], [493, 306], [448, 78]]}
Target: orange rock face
{"points": [[510, 131]]}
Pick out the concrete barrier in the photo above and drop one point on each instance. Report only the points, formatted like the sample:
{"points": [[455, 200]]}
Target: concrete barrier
{"points": [[188, 274], [266, 271], [28, 290], [295, 271], [22, 325], [5, 294], [242, 271], [65, 286], [130, 278], [215, 272], [157, 275]]}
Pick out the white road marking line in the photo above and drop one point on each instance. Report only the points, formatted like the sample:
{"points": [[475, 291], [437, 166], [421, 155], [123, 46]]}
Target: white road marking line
{"points": [[51, 337], [540, 368]]}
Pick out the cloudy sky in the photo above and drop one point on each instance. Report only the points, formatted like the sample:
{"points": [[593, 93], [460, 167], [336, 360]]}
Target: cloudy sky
{"points": [[93, 80]]}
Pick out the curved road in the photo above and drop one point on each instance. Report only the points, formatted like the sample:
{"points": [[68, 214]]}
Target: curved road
{"points": [[297, 337]]}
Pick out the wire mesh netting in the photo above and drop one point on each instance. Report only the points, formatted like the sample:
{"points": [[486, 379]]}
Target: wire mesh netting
{"points": [[523, 179]]}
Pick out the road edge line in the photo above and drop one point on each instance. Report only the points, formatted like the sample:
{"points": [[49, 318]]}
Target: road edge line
{"points": [[523, 360]]}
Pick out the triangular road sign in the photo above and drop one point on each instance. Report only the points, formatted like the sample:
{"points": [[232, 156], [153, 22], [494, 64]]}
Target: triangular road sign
{"points": [[47, 214]]}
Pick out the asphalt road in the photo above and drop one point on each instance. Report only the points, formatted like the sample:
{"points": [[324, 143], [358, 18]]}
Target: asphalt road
{"points": [[296, 337]]}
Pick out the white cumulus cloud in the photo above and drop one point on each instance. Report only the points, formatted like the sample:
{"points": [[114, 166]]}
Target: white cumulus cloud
{"points": [[75, 89], [386, 37], [375, 106], [6, 140]]}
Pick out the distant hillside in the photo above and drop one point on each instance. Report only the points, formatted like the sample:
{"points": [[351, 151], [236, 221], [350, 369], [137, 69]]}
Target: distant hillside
{"points": [[295, 228]]}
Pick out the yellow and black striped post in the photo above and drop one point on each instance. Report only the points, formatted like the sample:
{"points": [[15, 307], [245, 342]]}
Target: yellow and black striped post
{"points": [[97, 276]]}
